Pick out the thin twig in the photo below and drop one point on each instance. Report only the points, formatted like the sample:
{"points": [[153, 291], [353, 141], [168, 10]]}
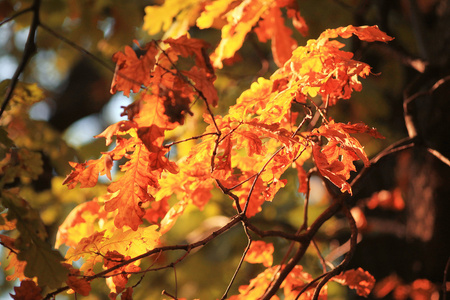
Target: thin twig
{"points": [[77, 47], [19, 13], [322, 260], [225, 294], [176, 280], [439, 156], [348, 256], [188, 139], [90, 55], [247, 202], [306, 204]]}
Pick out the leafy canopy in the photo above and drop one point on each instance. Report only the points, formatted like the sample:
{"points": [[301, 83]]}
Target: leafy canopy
{"points": [[277, 124]]}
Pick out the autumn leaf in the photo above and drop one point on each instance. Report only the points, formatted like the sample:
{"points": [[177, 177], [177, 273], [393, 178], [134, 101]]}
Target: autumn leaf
{"points": [[172, 215], [335, 160], [257, 286], [27, 290], [296, 280], [87, 173], [260, 252], [119, 128], [211, 12], [364, 33], [128, 193], [169, 15], [204, 83], [240, 22], [186, 47], [120, 276], [79, 223], [133, 72], [18, 266], [41, 260], [357, 279], [77, 283], [271, 26], [331, 168]]}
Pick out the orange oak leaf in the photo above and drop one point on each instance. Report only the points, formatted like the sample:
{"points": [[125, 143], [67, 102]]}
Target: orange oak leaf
{"points": [[27, 290], [129, 192], [78, 223], [77, 283], [119, 128], [335, 160], [127, 294], [204, 83], [149, 109], [357, 279], [133, 72], [240, 22], [302, 179], [260, 252], [296, 280], [213, 11], [185, 47], [271, 26], [335, 164], [152, 136], [86, 173], [298, 21], [257, 286], [119, 276], [18, 265], [364, 33], [126, 242], [156, 210], [172, 215], [340, 134]]}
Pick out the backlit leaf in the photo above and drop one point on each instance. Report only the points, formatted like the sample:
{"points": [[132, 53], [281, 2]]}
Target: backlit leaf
{"points": [[260, 252], [133, 72], [358, 279]]}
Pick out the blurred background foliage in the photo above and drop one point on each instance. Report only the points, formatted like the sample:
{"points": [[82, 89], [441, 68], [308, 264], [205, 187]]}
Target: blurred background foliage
{"points": [[76, 104]]}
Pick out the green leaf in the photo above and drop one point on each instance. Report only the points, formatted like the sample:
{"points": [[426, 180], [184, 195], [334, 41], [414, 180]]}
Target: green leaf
{"points": [[42, 261], [24, 93]]}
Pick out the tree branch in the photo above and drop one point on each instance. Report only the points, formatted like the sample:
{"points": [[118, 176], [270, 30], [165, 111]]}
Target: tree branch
{"points": [[28, 52]]}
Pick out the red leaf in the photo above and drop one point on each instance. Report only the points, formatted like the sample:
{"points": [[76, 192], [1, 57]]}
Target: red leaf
{"points": [[204, 83], [358, 279], [185, 47], [120, 276], [272, 27], [331, 169], [133, 72], [152, 137], [364, 33], [27, 290]]}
